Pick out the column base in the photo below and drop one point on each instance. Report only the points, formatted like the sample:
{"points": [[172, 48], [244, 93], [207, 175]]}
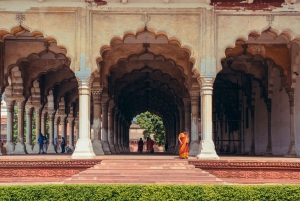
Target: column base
{"points": [[176, 150], [36, 148], [84, 149], [117, 149], [112, 148], [268, 153], [29, 148], [97, 147], [121, 148], [251, 153], [207, 150], [20, 148], [105, 147], [194, 148], [10, 147], [291, 152], [51, 149]]}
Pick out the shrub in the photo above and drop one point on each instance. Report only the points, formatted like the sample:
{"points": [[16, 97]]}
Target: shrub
{"points": [[149, 192]]}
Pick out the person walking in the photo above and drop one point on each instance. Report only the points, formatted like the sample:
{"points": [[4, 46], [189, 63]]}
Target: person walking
{"points": [[63, 145], [140, 146], [183, 139], [41, 142], [45, 141]]}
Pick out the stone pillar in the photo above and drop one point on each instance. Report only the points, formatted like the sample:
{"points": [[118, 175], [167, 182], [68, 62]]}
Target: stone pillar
{"points": [[84, 148], [187, 115], [63, 127], [97, 146], [207, 147], [116, 117], [71, 133], [269, 145], [181, 119], [43, 124], [178, 130], [111, 127], [10, 146], [55, 121], [104, 140], [76, 128], [51, 132], [292, 150], [252, 148], [36, 147], [29, 146], [20, 146], [194, 140], [120, 133]]}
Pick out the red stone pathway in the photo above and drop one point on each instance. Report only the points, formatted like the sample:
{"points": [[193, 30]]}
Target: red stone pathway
{"points": [[230, 169]]}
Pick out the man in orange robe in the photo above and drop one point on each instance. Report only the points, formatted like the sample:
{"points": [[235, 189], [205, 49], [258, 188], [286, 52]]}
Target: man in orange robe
{"points": [[183, 139]]}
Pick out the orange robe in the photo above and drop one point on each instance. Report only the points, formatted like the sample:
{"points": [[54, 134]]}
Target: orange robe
{"points": [[184, 147]]}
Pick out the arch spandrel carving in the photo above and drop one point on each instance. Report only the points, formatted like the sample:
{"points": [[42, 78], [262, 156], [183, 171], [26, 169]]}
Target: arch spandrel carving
{"points": [[257, 26], [22, 30]]}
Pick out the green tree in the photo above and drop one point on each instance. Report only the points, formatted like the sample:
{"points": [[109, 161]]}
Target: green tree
{"points": [[152, 124]]}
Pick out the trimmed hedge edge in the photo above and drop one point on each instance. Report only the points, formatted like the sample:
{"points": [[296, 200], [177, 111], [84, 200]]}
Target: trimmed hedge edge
{"points": [[149, 192]]}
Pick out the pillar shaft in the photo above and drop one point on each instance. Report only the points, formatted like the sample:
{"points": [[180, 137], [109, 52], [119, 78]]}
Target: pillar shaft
{"points": [[20, 146], [207, 147], [84, 147], [269, 145], [51, 132], [10, 146], [29, 130], [194, 145], [292, 149], [97, 146]]}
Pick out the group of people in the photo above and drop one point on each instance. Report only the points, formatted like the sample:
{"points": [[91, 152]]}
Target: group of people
{"points": [[183, 139], [150, 144], [43, 141]]}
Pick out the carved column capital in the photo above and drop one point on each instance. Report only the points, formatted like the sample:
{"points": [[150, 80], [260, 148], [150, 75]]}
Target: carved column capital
{"points": [[20, 103], [207, 85], [28, 110], [84, 84], [194, 97], [96, 95]]}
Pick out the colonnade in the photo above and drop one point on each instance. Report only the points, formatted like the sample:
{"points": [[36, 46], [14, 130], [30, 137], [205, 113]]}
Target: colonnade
{"points": [[26, 146], [111, 128]]}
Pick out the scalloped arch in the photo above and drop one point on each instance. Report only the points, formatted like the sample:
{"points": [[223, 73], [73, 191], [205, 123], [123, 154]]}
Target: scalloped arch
{"points": [[176, 40], [20, 29], [288, 34], [155, 56]]}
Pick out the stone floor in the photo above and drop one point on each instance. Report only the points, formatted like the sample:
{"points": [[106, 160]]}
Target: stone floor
{"points": [[231, 169]]}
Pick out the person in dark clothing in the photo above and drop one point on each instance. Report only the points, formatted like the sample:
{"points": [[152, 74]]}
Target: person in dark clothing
{"points": [[166, 146], [41, 142], [63, 145], [140, 146]]}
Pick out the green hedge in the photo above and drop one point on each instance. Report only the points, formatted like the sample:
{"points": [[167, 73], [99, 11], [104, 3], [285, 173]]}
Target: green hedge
{"points": [[150, 192]]}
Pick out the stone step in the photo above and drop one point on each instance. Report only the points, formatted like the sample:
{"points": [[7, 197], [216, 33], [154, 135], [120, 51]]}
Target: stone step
{"points": [[144, 167], [117, 177], [144, 171], [142, 181], [133, 173]]}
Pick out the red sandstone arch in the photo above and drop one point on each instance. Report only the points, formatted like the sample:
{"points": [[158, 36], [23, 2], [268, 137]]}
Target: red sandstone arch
{"points": [[159, 35], [18, 30]]}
